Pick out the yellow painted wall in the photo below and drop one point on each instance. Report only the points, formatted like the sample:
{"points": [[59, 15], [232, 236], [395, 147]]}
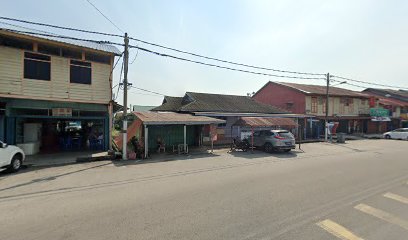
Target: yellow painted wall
{"points": [[335, 107], [13, 84], [10, 73]]}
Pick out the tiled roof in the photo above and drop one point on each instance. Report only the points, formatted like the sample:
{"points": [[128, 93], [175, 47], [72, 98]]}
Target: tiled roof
{"points": [[140, 108], [85, 44], [321, 90], [206, 102], [265, 122], [169, 104], [226, 103]]}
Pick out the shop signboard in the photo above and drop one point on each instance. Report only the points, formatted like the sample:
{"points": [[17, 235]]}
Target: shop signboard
{"points": [[380, 119], [62, 112], [379, 112], [379, 115]]}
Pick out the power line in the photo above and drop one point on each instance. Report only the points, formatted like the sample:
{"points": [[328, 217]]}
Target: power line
{"points": [[164, 47], [347, 83], [193, 61], [224, 67], [60, 36], [145, 94], [27, 28], [134, 59], [105, 16], [114, 66], [364, 82], [165, 55], [120, 80], [225, 61], [145, 90], [60, 27]]}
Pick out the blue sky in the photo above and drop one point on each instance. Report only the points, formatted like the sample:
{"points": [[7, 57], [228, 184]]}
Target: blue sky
{"points": [[365, 40]]}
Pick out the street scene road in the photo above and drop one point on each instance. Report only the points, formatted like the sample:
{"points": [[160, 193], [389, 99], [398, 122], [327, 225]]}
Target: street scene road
{"points": [[356, 190]]}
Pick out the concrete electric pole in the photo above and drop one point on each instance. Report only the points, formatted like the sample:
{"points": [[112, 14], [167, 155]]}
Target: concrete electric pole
{"points": [[125, 89]]}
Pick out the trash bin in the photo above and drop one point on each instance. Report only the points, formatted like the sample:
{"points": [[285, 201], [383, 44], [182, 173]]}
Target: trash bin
{"points": [[341, 137]]}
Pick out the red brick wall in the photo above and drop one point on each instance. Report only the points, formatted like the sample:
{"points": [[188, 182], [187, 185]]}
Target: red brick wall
{"points": [[277, 95]]}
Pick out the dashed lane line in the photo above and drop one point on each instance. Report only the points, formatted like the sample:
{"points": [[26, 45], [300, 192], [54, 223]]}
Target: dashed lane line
{"points": [[396, 197], [337, 230], [382, 215]]}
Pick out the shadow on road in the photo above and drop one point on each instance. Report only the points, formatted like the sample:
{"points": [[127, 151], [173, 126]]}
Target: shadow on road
{"points": [[134, 180], [344, 145], [261, 154], [157, 158], [50, 178]]}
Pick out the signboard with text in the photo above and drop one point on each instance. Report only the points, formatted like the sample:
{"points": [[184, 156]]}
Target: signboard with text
{"points": [[379, 115], [379, 112], [62, 112], [380, 119]]}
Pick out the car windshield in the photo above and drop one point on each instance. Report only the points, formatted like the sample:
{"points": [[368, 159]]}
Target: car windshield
{"points": [[285, 134]]}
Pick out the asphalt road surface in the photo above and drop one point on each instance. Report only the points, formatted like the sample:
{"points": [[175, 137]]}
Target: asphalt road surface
{"points": [[357, 190]]}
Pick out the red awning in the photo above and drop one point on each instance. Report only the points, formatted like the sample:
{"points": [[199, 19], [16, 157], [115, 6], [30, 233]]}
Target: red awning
{"points": [[265, 122]]}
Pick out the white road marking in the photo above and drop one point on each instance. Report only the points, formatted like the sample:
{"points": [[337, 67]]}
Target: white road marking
{"points": [[396, 197], [382, 215], [337, 230]]}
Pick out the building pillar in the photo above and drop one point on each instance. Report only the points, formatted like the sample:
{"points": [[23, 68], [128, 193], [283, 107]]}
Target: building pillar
{"points": [[185, 139], [146, 138], [110, 110]]}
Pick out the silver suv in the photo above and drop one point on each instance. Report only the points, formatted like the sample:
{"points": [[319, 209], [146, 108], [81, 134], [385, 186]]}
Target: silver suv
{"points": [[273, 140]]}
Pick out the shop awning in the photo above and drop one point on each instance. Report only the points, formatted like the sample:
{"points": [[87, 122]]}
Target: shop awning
{"points": [[172, 118], [265, 122], [163, 118]]}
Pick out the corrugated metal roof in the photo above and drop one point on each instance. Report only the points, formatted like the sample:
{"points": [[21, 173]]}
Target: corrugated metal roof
{"points": [[265, 122], [85, 44], [392, 102], [400, 95], [171, 118]]}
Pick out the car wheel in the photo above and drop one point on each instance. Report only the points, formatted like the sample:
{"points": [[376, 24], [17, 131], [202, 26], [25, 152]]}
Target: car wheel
{"points": [[16, 163], [268, 147], [387, 136]]}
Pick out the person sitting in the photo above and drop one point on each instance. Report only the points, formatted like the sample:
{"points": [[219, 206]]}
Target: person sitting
{"points": [[160, 145]]}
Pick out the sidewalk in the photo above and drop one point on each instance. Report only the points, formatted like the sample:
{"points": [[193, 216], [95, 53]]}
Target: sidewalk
{"points": [[67, 158], [60, 159]]}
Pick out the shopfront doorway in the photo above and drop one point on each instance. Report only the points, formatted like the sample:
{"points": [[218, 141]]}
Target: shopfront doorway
{"points": [[50, 135]]}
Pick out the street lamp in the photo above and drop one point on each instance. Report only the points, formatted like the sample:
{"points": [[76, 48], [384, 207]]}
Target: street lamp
{"points": [[327, 105]]}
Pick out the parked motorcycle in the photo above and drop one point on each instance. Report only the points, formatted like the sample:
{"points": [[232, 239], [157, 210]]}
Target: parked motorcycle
{"points": [[237, 143]]}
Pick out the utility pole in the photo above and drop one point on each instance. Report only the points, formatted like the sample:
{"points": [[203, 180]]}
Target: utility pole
{"points": [[125, 89], [326, 126]]}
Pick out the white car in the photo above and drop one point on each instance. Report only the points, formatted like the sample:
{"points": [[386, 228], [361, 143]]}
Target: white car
{"points": [[399, 133], [11, 157]]}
